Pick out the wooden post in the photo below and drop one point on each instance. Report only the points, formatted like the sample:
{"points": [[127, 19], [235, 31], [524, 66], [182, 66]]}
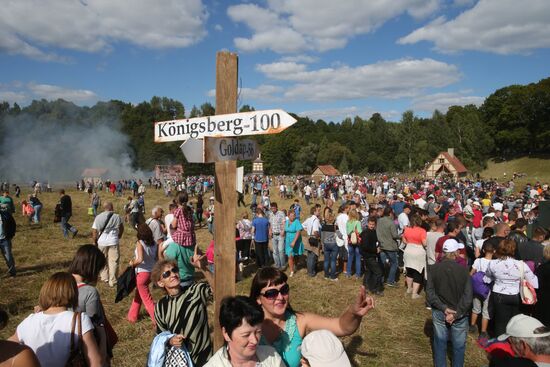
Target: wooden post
{"points": [[225, 193]]}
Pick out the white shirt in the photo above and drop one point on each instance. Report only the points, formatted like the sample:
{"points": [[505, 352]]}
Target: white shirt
{"points": [[307, 190], [403, 220], [481, 264], [49, 336], [507, 274], [109, 236], [312, 225], [341, 222]]}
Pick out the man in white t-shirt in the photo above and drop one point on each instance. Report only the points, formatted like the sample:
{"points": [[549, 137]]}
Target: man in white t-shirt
{"points": [[403, 218], [107, 230], [342, 235], [312, 226]]}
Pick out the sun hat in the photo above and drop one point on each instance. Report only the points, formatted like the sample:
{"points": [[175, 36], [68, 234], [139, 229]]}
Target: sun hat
{"points": [[323, 349], [522, 326], [452, 245]]}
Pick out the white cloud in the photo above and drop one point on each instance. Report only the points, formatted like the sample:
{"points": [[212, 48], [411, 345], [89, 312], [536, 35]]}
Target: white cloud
{"points": [[24, 93], [442, 101], [218, 27], [499, 26], [288, 26], [385, 79], [300, 58], [263, 92], [32, 27]]}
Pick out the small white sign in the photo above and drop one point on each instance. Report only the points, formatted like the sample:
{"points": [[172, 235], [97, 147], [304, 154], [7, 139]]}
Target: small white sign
{"points": [[210, 150]]}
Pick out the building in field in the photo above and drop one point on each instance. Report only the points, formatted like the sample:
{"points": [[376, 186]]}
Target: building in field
{"points": [[324, 171], [446, 164], [169, 172]]}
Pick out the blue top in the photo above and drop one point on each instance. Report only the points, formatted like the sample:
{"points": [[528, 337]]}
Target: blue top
{"points": [[261, 229], [290, 232], [288, 342]]}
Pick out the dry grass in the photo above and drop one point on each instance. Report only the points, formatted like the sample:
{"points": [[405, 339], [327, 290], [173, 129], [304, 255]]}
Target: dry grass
{"points": [[536, 169], [391, 335]]}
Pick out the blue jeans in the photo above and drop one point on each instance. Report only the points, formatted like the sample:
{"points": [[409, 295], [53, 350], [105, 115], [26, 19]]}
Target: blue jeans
{"points": [[5, 247], [37, 210], [331, 253], [94, 209], [458, 332], [66, 227], [392, 257], [354, 256], [278, 244]]}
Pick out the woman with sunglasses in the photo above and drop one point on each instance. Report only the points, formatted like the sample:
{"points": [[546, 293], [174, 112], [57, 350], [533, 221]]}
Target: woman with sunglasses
{"points": [[183, 310], [284, 329], [241, 323]]}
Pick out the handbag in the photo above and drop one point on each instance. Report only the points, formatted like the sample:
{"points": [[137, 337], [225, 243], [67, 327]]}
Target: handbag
{"points": [[76, 355], [526, 289], [177, 357], [479, 287]]}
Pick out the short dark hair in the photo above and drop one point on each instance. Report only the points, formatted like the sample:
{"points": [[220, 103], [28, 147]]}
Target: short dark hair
{"points": [[273, 205], [520, 222], [452, 226], [87, 262], [233, 310], [371, 219], [266, 276]]}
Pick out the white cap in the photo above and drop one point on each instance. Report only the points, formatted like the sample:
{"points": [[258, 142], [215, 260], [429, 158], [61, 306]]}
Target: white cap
{"points": [[452, 245], [522, 326], [400, 196], [212, 198], [492, 215], [476, 203], [323, 349]]}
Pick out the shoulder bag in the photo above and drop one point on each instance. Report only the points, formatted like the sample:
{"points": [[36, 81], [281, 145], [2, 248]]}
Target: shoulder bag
{"points": [[76, 356], [526, 289]]}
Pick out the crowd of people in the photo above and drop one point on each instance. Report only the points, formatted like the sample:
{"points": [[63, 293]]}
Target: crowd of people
{"points": [[472, 247]]}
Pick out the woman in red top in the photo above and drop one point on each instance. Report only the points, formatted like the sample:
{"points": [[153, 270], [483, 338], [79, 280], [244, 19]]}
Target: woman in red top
{"points": [[415, 255]]}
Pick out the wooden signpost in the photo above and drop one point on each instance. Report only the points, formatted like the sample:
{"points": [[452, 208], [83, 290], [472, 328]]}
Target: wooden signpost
{"points": [[208, 139]]}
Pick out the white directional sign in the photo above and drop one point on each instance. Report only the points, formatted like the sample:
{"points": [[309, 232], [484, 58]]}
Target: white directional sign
{"points": [[209, 150], [235, 124]]}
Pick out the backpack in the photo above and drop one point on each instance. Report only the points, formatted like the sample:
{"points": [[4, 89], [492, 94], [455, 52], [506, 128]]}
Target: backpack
{"points": [[354, 238], [9, 227], [480, 288]]}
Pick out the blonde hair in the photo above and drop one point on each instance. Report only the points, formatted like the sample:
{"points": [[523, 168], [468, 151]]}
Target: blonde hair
{"points": [[60, 290], [353, 214]]}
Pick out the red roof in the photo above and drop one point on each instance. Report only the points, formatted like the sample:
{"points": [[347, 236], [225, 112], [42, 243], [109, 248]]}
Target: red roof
{"points": [[457, 164], [329, 170]]}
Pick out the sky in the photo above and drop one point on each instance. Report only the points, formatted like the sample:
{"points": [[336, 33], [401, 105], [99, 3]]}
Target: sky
{"points": [[324, 59]]}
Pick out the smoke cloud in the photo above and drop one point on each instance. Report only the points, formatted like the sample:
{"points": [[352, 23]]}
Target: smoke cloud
{"points": [[53, 151]]}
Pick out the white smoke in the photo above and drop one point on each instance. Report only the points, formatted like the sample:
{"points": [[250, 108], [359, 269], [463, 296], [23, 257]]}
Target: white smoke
{"points": [[52, 151]]}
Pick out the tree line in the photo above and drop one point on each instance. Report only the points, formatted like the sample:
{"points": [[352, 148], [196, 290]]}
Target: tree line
{"points": [[513, 121]]}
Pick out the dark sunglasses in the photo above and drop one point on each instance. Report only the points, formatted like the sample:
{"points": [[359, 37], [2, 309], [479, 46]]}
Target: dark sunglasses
{"points": [[273, 293], [167, 273]]}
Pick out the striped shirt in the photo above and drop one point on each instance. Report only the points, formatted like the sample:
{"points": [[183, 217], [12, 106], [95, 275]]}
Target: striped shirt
{"points": [[184, 234], [186, 314]]}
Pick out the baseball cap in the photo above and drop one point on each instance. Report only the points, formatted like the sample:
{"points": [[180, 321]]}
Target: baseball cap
{"points": [[452, 245], [522, 326], [400, 196], [323, 349]]}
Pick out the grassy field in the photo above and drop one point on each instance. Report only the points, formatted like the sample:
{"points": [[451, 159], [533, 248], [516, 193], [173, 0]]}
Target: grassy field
{"points": [[393, 334], [536, 169]]}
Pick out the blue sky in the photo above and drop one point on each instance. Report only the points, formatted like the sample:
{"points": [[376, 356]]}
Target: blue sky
{"points": [[321, 58]]}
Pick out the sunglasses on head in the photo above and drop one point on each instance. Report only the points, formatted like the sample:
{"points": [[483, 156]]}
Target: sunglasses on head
{"points": [[167, 273], [273, 293]]}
